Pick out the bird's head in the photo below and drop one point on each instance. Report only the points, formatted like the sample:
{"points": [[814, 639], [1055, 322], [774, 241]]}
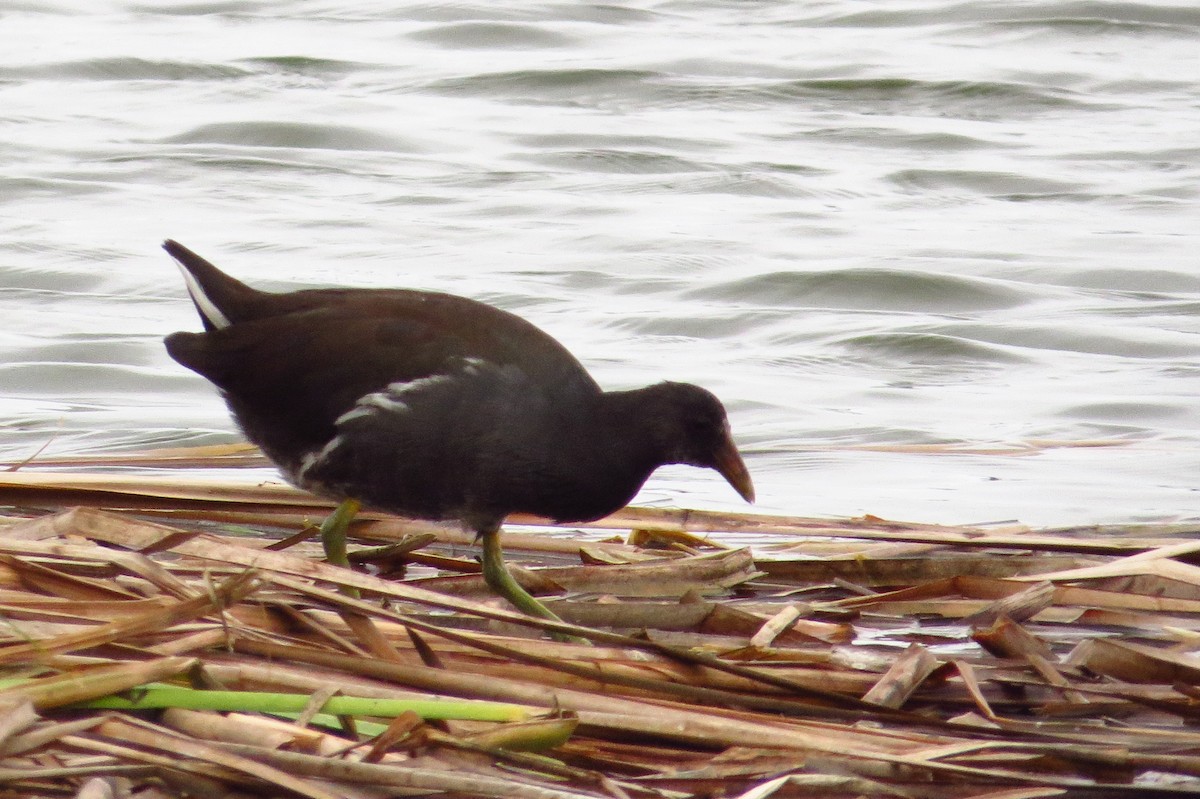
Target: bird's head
{"points": [[693, 429]]}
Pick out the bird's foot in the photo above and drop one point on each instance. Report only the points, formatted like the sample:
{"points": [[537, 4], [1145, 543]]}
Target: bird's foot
{"points": [[333, 536], [500, 580]]}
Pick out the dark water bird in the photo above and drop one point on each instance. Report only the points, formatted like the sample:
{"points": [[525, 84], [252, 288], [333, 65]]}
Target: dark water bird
{"points": [[434, 406]]}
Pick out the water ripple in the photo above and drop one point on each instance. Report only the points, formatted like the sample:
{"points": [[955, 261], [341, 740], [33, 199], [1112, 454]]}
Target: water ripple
{"points": [[546, 84], [492, 35], [297, 135], [870, 289], [623, 161], [1085, 14], [997, 184], [990, 96], [912, 348], [119, 69], [308, 66]]}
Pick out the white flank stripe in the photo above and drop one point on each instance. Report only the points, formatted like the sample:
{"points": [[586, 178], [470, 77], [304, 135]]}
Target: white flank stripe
{"points": [[385, 400], [357, 412], [395, 390], [391, 399], [313, 458]]}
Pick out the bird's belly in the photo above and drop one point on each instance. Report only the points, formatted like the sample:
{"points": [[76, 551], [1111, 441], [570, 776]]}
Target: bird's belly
{"points": [[425, 487], [412, 484]]}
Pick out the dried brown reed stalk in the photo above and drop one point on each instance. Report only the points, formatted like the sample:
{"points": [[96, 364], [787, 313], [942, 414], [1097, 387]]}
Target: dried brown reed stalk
{"points": [[850, 658]]}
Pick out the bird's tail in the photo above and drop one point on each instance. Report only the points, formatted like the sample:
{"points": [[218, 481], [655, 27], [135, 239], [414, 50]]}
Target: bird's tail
{"points": [[220, 299]]}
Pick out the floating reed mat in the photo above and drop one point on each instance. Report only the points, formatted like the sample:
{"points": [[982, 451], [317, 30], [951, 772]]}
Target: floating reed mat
{"points": [[174, 636]]}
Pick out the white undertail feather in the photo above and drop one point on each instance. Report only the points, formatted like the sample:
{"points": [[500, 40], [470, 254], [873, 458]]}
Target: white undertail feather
{"points": [[207, 309]]}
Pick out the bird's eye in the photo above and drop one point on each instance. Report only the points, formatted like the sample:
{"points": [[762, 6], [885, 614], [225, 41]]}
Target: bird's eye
{"points": [[700, 428]]}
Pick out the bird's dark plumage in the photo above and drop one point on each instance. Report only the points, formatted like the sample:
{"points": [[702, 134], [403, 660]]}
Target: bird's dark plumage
{"points": [[436, 406]]}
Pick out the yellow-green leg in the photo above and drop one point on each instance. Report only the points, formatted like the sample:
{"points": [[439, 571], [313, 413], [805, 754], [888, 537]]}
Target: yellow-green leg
{"points": [[333, 536], [497, 576], [495, 573]]}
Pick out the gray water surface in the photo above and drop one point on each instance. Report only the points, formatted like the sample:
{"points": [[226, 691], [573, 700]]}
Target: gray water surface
{"points": [[864, 225]]}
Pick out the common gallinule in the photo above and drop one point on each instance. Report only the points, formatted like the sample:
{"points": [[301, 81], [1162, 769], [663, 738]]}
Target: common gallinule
{"points": [[435, 406]]}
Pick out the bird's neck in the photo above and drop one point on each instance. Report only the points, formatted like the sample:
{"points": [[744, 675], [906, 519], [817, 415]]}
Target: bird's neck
{"points": [[630, 421]]}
